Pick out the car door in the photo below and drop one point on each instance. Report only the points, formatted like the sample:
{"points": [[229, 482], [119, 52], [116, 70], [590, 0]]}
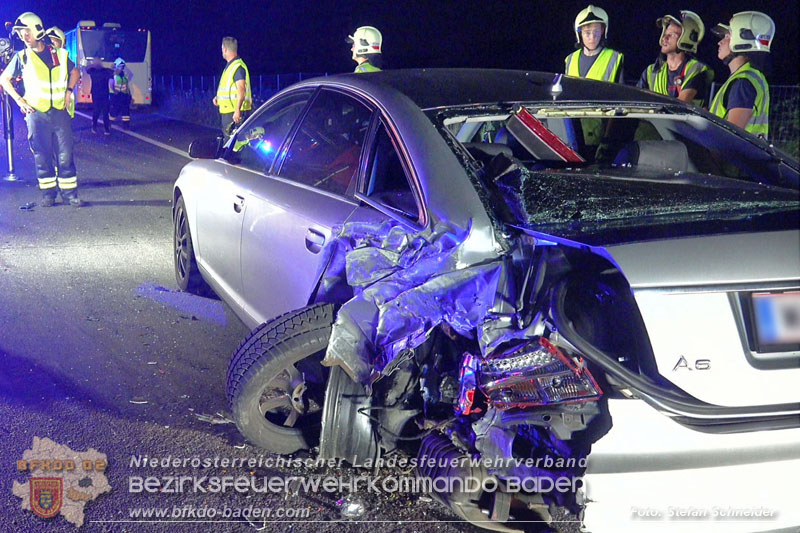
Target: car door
{"points": [[290, 215], [221, 203]]}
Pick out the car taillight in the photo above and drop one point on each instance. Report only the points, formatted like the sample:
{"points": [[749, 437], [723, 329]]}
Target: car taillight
{"points": [[536, 374]]}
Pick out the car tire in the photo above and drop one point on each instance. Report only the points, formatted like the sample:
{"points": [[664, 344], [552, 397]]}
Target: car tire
{"points": [[276, 384], [186, 273]]}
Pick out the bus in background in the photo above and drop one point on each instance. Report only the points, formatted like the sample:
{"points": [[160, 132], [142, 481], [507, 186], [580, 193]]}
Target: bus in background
{"points": [[88, 41]]}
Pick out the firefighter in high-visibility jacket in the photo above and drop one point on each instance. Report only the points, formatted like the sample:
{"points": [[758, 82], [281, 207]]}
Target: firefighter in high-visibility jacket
{"points": [[234, 96], [120, 90], [677, 72], [49, 78], [593, 59], [58, 39], [743, 99], [366, 49]]}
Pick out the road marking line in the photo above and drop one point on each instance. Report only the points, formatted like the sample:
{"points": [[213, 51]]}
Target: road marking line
{"points": [[143, 138]]}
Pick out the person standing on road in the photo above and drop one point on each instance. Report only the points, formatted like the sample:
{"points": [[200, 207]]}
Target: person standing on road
{"points": [[593, 59], [366, 49], [49, 77], [744, 46], [101, 80], [677, 72], [120, 91], [234, 97]]}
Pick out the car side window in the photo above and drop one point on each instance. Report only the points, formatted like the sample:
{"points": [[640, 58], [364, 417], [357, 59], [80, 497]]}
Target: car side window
{"points": [[255, 146], [326, 150], [387, 181]]}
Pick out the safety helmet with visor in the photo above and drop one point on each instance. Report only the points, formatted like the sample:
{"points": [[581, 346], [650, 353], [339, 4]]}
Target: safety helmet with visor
{"points": [[692, 28], [31, 22], [590, 15], [367, 40], [55, 32], [751, 31]]}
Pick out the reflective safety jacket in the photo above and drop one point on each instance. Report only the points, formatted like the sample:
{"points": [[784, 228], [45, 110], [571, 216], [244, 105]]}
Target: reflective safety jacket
{"points": [[605, 68], [121, 84], [366, 66], [759, 120], [657, 81], [227, 94], [45, 88]]}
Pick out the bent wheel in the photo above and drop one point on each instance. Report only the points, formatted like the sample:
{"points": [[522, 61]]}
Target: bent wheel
{"points": [[276, 384]]}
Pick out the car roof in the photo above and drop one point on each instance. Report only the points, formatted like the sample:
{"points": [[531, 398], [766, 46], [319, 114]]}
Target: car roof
{"points": [[432, 88]]}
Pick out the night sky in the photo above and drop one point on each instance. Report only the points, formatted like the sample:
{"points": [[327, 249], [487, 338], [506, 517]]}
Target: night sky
{"points": [[285, 36]]}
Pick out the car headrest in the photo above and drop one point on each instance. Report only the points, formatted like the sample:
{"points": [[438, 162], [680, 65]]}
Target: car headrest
{"points": [[654, 155]]}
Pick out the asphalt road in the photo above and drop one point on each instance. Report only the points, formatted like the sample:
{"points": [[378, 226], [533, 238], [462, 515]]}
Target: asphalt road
{"points": [[99, 350]]}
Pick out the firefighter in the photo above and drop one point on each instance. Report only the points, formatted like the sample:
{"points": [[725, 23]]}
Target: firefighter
{"points": [[234, 96], [57, 40], [593, 59], [49, 78], [56, 36], [366, 49], [120, 90], [677, 72], [744, 44]]}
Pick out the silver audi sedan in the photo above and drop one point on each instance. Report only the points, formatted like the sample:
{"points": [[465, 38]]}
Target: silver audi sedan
{"points": [[576, 284]]}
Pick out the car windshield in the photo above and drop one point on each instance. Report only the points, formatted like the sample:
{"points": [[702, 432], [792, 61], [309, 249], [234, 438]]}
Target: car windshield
{"points": [[545, 166]]}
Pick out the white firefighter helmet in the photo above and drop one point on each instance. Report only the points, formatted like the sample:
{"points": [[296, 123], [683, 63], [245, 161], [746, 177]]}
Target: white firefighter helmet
{"points": [[367, 40], [751, 31], [32, 22], [692, 28], [589, 15], [56, 33], [119, 63]]}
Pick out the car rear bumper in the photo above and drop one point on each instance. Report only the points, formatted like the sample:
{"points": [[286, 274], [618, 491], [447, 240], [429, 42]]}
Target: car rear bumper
{"points": [[650, 473]]}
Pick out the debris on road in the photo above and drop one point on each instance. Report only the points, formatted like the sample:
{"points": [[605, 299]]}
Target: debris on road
{"points": [[217, 418], [27, 207], [138, 401], [351, 507]]}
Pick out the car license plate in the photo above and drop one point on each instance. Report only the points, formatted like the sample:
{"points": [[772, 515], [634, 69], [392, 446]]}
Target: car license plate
{"points": [[777, 316]]}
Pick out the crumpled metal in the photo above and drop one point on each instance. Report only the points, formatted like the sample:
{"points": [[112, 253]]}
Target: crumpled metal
{"points": [[404, 285]]}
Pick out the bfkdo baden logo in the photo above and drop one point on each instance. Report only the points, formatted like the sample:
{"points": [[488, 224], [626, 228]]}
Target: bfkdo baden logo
{"points": [[46, 494], [61, 481]]}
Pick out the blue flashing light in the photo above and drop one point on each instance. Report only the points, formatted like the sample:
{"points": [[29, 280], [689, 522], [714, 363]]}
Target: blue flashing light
{"points": [[265, 146]]}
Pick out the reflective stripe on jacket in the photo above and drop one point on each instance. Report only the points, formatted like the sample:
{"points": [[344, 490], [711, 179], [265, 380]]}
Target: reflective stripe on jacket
{"points": [[227, 94], [759, 120], [45, 87], [366, 66], [657, 81], [605, 67]]}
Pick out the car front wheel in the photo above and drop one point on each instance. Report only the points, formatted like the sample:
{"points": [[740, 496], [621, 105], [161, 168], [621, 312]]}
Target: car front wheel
{"points": [[186, 273]]}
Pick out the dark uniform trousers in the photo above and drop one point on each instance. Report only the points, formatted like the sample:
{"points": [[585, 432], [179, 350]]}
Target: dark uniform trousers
{"points": [[226, 121], [121, 108], [50, 138]]}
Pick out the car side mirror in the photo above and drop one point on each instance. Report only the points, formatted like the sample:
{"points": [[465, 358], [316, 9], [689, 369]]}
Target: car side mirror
{"points": [[205, 148]]}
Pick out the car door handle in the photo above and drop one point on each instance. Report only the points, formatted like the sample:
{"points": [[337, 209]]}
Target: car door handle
{"points": [[238, 203], [315, 240]]}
